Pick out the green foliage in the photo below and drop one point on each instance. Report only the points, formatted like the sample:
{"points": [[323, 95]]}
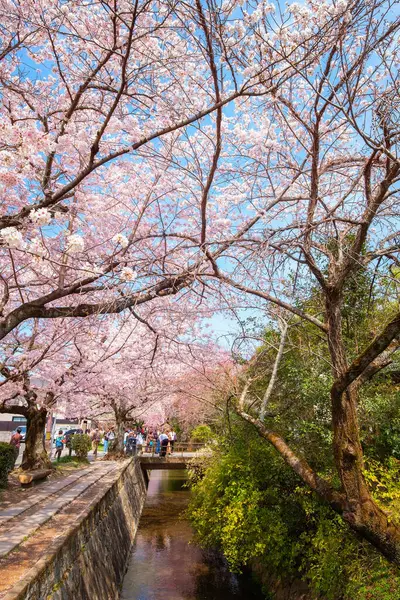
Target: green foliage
{"points": [[7, 458], [198, 465], [176, 425], [201, 434], [300, 403], [252, 507], [81, 443], [382, 584], [380, 419], [384, 482], [73, 461], [234, 508]]}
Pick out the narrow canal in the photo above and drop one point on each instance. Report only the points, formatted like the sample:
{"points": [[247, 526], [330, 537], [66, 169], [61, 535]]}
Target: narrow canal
{"points": [[165, 564]]}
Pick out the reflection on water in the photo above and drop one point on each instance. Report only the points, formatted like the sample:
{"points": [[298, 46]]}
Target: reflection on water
{"points": [[164, 565]]}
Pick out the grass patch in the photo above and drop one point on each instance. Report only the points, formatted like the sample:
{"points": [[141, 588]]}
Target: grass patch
{"points": [[72, 462]]}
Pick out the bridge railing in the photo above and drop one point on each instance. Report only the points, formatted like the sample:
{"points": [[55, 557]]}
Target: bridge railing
{"points": [[179, 449]]}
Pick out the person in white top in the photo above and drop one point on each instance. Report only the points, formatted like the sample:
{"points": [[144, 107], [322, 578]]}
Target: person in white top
{"points": [[109, 437], [125, 437], [172, 440], [139, 443]]}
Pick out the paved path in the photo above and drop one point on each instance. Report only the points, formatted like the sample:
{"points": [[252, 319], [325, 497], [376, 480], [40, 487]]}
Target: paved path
{"points": [[45, 491], [21, 521]]}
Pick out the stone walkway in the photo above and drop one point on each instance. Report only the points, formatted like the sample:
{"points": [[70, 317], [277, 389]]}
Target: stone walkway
{"points": [[45, 490], [17, 523]]}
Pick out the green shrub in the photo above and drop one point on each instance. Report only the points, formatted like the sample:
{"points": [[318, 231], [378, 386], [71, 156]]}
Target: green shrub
{"points": [[81, 443], [7, 457], [248, 503], [201, 434]]}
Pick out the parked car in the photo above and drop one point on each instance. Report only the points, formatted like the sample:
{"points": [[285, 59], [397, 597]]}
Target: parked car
{"points": [[23, 432]]}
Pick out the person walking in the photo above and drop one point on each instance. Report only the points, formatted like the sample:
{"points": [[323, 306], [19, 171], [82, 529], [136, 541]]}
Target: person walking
{"points": [[16, 443], [172, 439], [96, 437], [131, 443], [105, 441], [158, 443], [127, 432], [110, 435], [59, 444], [139, 442], [164, 444]]}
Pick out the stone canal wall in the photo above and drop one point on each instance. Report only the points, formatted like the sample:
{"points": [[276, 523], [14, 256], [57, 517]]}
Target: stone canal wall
{"points": [[88, 562]]}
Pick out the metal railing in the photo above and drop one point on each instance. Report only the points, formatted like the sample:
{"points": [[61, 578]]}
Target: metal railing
{"points": [[178, 449]]}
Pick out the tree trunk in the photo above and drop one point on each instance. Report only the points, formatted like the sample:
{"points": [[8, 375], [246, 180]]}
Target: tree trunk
{"points": [[35, 455], [117, 448], [361, 511], [284, 329]]}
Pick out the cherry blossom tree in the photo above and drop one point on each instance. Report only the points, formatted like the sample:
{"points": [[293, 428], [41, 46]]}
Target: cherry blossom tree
{"points": [[115, 117], [327, 209], [36, 375], [136, 374], [75, 367], [88, 92], [203, 391]]}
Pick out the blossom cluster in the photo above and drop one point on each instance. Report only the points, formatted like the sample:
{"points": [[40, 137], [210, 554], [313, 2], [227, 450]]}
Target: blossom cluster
{"points": [[121, 240], [40, 216], [75, 244], [36, 247], [12, 238], [128, 274]]}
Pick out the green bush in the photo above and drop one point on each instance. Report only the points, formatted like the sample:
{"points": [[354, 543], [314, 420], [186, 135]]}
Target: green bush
{"points": [[81, 443], [201, 434], [6, 462], [249, 504]]}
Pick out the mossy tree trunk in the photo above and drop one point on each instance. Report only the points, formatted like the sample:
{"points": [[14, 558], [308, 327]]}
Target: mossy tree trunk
{"points": [[35, 455], [116, 449]]}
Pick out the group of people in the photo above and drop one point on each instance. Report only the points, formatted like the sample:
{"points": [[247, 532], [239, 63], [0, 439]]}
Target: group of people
{"points": [[96, 437], [63, 439], [142, 440], [108, 439], [166, 442], [136, 441]]}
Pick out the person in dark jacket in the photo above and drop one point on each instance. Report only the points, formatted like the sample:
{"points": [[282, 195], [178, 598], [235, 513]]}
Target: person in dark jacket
{"points": [[164, 444], [131, 443]]}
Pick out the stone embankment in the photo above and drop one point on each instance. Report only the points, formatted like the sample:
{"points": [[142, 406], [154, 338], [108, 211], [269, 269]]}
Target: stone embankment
{"points": [[72, 539]]}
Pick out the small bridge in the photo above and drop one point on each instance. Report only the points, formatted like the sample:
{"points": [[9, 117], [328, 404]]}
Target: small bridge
{"points": [[151, 463], [178, 459]]}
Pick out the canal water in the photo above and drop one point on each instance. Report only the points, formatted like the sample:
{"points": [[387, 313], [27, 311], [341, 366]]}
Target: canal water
{"points": [[166, 564]]}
